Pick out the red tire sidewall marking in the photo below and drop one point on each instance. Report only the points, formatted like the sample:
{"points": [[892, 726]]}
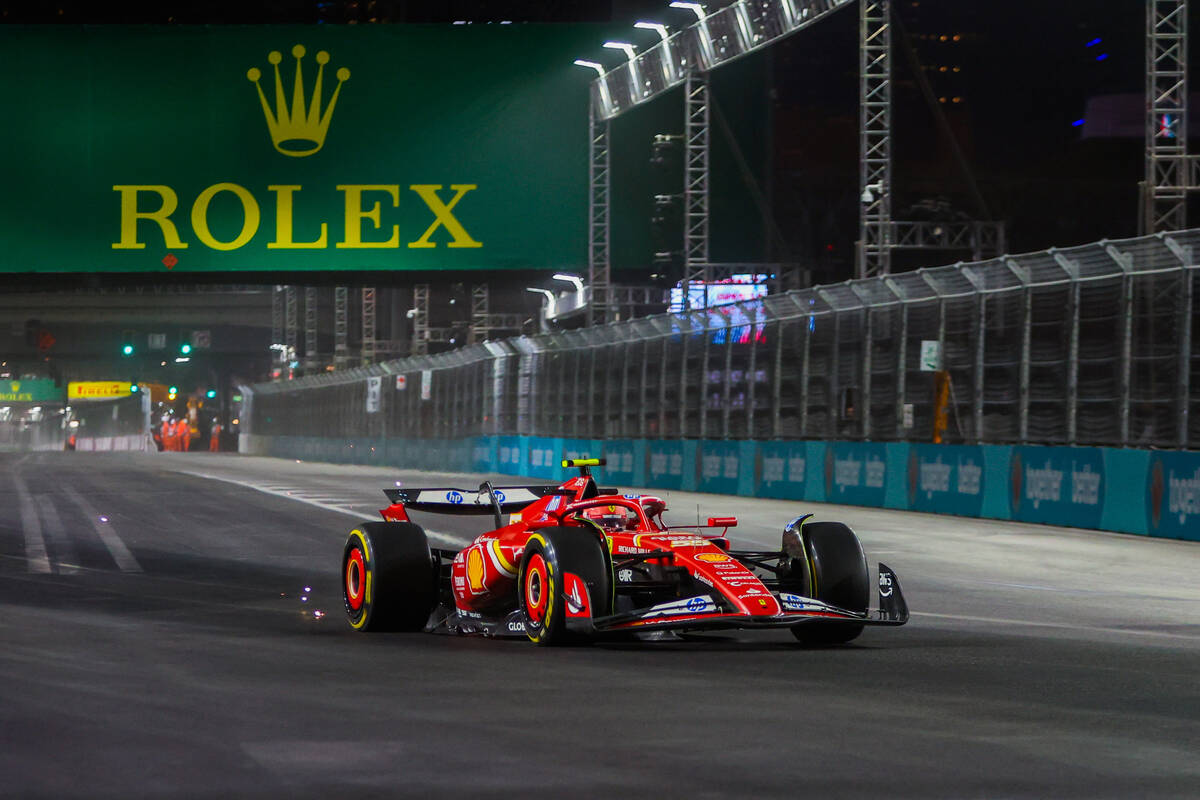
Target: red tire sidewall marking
{"points": [[355, 588], [536, 584]]}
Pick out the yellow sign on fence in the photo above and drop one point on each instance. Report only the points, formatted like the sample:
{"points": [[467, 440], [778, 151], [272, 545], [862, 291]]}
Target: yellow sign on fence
{"points": [[97, 390]]}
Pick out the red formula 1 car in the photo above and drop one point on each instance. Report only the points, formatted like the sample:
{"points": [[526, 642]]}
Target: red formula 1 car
{"points": [[576, 562]]}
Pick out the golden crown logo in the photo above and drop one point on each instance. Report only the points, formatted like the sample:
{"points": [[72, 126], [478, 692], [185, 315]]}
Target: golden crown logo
{"points": [[300, 131]]}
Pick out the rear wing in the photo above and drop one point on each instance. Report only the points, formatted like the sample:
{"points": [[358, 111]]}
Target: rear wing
{"points": [[487, 499]]}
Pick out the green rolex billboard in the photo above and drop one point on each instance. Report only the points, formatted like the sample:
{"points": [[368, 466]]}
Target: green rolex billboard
{"points": [[147, 149]]}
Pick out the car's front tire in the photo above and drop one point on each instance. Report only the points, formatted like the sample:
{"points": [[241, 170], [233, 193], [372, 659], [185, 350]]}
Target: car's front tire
{"points": [[549, 555], [839, 577]]}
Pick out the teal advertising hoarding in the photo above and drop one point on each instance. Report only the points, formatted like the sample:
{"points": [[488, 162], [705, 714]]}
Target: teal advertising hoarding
{"points": [[1146, 492], [153, 149]]}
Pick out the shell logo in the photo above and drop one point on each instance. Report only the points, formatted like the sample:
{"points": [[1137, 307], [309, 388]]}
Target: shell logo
{"points": [[475, 569], [712, 558]]}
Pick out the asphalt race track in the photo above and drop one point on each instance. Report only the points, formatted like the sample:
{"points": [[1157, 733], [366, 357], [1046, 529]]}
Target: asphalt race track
{"points": [[155, 642]]}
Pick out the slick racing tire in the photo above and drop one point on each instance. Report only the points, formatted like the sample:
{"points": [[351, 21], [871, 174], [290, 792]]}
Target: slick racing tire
{"points": [[838, 572], [389, 577], [549, 554]]}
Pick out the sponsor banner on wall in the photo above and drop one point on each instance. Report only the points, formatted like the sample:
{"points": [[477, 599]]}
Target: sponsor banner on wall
{"points": [[1173, 495], [33, 390], [946, 479], [543, 459], [485, 454], [625, 462], [855, 473], [665, 467], [510, 454], [717, 466], [780, 469], [97, 390], [1057, 485]]}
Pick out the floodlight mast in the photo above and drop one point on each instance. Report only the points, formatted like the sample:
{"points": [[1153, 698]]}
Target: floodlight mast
{"points": [[599, 267]]}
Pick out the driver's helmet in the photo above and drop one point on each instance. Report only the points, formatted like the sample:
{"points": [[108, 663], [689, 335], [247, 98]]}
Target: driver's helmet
{"points": [[610, 517]]}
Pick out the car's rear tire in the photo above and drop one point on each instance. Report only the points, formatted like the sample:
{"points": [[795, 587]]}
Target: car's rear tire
{"points": [[839, 577], [549, 554], [389, 577]]}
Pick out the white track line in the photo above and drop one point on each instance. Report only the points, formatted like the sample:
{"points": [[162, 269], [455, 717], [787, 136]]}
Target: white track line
{"points": [[294, 494], [1057, 625], [35, 544], [120, 553], [67, 561]]}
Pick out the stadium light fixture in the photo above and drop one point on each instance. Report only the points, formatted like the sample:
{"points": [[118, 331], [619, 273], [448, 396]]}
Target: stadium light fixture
{"points": [[668, 62], [628, 49], [572, 279], [579, 62], [551, 305], [658, 28], [695, 8]]}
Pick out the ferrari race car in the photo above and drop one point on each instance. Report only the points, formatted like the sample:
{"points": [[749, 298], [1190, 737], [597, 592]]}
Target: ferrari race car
{"points": [[576, 562]]}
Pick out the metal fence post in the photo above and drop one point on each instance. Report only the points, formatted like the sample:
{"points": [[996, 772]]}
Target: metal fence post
{"points": [[1185, 358], [752, 372], [835, 383], [1125, 262], [683, 387], [727, 382], [1072, 269], [806, 328], [1026, 347], [901, 360], [662, 389], [1186, 311], [864, 404], [704, 372], [980, 339]]}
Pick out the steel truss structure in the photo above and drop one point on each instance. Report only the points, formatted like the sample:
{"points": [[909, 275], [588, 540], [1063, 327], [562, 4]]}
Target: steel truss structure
{"points": [[983, 239], [341, 327], [685, 58], [368, 325], [1168, 174], [277, 315], [480, 318], [875, 137], [599, 184], [420, 340], [311, 360], [695, 185], [292, 323]]}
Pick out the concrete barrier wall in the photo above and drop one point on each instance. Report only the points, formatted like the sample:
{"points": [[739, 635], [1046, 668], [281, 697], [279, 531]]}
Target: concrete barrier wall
{"points": [[1143, 492]]}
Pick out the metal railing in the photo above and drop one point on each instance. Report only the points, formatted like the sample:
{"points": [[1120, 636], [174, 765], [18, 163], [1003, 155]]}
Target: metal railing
{"points": [[1090, 345]]}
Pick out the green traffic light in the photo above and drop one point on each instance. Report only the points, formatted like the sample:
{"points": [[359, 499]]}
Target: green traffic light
{"points": [[185, 348], [172, 390], [127, 350], [211, 394], [133, 388]]}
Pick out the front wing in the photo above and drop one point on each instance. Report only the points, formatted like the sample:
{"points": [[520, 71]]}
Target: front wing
{"points": [[704, 613]]}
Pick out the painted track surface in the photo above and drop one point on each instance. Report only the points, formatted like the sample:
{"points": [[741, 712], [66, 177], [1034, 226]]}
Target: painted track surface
{"points": [[164, 651]]}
